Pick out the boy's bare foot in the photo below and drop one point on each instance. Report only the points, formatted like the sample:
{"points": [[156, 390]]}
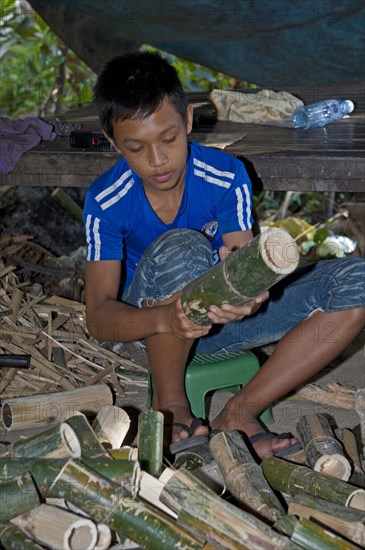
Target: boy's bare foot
{"points": [[176, 416], [232, 417]]}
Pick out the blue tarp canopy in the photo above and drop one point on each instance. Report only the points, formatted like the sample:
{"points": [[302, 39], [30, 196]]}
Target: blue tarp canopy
{"points": [[268, 42]]}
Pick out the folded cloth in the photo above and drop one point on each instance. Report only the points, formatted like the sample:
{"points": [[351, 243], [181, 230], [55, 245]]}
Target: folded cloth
{"points": [[262, 107], [17, 136]]}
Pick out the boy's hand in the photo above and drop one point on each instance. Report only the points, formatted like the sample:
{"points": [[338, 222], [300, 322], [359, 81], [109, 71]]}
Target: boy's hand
{"points": [[178, 323], [228, 313]]}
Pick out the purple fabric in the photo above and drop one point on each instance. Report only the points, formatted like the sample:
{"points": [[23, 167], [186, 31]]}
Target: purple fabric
{"points": [[17, 136]]}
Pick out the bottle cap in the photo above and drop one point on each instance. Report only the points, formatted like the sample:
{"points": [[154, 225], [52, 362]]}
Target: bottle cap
{"points": [[349, 105]]}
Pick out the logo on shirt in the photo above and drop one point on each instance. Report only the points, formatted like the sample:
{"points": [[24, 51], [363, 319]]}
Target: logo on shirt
{"points": [[209, 229]]}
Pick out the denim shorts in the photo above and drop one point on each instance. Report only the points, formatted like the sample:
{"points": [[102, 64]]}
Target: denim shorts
{"points": [[181, 255]]}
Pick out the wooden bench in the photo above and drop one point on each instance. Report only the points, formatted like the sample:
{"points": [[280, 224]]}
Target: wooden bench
{"points": [[323, 159]]}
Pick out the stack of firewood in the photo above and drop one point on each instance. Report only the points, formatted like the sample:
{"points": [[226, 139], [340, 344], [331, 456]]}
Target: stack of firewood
{"points": [[75, 485]]}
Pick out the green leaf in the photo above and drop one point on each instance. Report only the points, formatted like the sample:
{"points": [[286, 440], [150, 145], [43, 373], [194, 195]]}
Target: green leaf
{"points": [[321, 235]]}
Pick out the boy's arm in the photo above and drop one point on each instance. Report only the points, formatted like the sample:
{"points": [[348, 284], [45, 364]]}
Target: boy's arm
{"points": [[114, 321]]}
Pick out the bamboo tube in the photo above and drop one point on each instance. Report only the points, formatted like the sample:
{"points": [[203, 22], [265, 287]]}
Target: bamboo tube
{"points": [[292, 478], [58, 529], [310, 535], [60, 441], [360, 409], [243, 476], [44, 471], [150, 441], [111, 425], [106, 502], [243, 275], [44, 410], [285, 525], [128, 453], [205, 514], [322, 451], [353, 530], [104, 538], [348, 440], [12, 538], [89, 443], [17, 495]]}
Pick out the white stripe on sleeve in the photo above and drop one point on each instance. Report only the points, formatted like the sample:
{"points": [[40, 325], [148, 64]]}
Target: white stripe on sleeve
{"points": [[240, 209], [114, 186], [96, 239]]}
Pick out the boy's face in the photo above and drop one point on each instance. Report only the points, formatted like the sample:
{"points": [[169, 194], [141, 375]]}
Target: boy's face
{"points": [[156, 147]]}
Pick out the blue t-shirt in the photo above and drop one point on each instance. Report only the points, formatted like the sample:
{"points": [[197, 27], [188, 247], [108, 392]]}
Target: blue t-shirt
{"points": [[120, 222]]}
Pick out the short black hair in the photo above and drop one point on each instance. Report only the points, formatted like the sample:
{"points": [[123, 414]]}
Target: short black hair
{"points": [[134, 85]]}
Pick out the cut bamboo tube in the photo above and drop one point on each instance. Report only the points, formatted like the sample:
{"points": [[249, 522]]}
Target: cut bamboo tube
{"points": [[348, 440], [106, 502], [206, 515], [243, 275], [285, 525], [243, 476], [60, 441], [128, 453], [150, 441], [310, 535], [111, 425], [44, 471], [353, 530], [12, 538], [58, 529], [360, 409], [292, 478], [322, 451], [89, 443], [104, 539], [17, 495], [44, 410]]}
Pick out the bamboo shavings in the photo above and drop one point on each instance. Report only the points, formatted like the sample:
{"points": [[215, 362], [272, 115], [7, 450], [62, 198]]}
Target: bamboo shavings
{"points": [[64, 356]]}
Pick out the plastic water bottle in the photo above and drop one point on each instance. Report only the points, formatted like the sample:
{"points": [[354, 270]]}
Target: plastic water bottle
{"points": [[321, 113]]}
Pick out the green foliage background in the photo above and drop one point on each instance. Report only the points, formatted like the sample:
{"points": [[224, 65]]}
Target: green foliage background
{"points": [[41, 76]]}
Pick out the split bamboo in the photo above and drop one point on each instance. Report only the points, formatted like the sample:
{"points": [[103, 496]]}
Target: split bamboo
{"points": [[346, 522], [206, 515], [17, 495], [60, 441], [292, 478], [111, 425], [108, 503], [322, 451], [243, 275], [243, 476], [310, 535], [360, 409], [348, 440], [89, 443], [44, 410], [150, 441], [12, 538], [150, 489], [58, 529]]}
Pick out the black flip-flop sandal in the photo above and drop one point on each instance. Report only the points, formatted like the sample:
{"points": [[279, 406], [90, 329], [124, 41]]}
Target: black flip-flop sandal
{"points": [[191, 440], [283, 452]]}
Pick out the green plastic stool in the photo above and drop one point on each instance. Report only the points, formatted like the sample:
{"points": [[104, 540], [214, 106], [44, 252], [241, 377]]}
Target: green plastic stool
{"points": [[218, 372]]}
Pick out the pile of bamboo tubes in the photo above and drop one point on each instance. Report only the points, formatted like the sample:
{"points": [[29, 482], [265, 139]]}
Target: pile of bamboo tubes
{"points": [[75, 486], [64, 357]]}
